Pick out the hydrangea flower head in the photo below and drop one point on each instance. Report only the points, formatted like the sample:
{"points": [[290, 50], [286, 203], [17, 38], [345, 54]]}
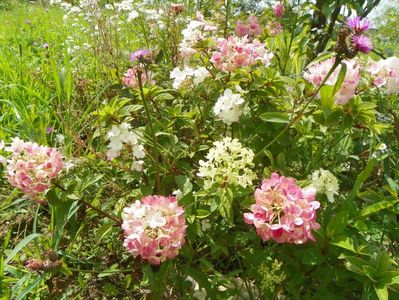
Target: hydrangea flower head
{"points": [[228, 162], [317, 72], [31, 166], [386, 74], [227, 108], [130, 78], [362, 43], [358, 24], [120, 137], [154, 228], [250, 28], [278, 10], [283, 211], [325, 182], [234, 52]]}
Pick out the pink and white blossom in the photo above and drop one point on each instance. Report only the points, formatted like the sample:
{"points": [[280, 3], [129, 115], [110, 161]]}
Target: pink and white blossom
{"points": [[317, 72], [154, 228], [31, 167], [234, 52], [283, 211]]}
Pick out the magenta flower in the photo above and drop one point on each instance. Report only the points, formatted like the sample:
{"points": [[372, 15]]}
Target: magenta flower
{"points": [[278, 10], [32, 167], [283, 211], [250, 28], [139, 54], [358, 24], [154, 228], [362, 43]]}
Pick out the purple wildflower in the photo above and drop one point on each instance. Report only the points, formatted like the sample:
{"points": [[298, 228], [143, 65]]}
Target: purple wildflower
{"points": [[139, 54], [49, 130], [362, 43], [358, 24]]}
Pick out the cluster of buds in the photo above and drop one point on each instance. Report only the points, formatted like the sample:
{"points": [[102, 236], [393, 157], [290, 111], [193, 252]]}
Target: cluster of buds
{"points": [[51, 263], [176, 8]]}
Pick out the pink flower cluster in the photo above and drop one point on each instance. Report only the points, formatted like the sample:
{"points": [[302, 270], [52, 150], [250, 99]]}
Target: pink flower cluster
{"points": [[233, 53], [31, 166], [278, 10], [386, 73], [316, 73], [154, 228], [283, 211], [361, 42], [250, 28], [130, 77]]}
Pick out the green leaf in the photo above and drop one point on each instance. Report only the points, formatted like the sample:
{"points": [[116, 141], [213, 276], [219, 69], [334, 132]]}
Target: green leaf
{"points": [[337, 224], [21, 245], [361, 179], [226, 204], [376, 207], [343, 242], [200, 278], [275, 117], [354, 264], [382, 292], [341, 77], [384, 261], [30, 287], [388, 278], [103, 231], [327, 99], [370, 272]]}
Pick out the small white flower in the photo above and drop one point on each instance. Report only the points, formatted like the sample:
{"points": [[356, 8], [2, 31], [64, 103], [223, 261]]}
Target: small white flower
{"points": [[325, 182], [60, 138], [205, 225], [200, 74], [227, 107], [156, 220], [138, 165]]}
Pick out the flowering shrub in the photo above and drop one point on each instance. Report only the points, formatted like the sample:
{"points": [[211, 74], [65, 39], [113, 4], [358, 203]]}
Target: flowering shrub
{"points": [[283, 211], [199, 100], [154, 228]]}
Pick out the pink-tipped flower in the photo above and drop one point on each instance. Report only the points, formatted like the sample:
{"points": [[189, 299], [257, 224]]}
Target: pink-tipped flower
{"points": [[139, 54], [31, 166], [250, 28], [233, 53], [278, 10], [283, 211], [154, 228], [316, 73], [358, 24], [130, 77], [362, 43]]}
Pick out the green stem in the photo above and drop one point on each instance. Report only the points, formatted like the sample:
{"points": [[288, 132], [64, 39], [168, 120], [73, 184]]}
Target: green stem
{"points": [[226, 20], [154, 138], [293, 120]]}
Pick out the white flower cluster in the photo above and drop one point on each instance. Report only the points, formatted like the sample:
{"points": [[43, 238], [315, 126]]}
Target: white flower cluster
{"points": [[195, 32], [325, 182], [227, 108], [228, 162], [119, 137], [179, 76]]}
